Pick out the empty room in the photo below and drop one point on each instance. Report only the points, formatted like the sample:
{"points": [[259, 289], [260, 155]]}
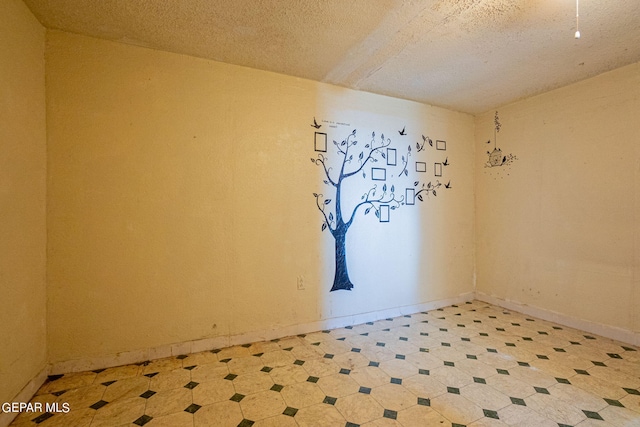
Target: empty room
{"points": [[320, 213]]}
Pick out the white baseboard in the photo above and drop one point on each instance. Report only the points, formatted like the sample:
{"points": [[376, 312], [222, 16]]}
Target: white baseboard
{"points": [[25, 395], [187, 347], [615, 333]]}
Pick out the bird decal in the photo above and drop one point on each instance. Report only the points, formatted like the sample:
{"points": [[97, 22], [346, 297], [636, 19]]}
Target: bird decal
{"points": [[315, 124], [402, 132], [448, 184], [446, 162]]}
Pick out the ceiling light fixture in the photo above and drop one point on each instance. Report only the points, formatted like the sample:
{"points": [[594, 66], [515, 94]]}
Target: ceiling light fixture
{"points": [[577, 20]]}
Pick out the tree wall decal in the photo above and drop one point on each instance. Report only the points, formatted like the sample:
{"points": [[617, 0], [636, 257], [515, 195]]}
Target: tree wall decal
{"points": [[380, 199]]}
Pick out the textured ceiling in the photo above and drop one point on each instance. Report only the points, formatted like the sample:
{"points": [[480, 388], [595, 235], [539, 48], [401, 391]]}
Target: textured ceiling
{"points": [[466, 55]]}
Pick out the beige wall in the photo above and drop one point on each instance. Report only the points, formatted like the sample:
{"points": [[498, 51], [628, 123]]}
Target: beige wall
{"points": [[558, 229], [22, 198], [180, 202]]}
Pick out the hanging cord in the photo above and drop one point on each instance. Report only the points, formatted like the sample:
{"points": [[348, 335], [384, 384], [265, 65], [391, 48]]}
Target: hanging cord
{"points": [[577, 19]]}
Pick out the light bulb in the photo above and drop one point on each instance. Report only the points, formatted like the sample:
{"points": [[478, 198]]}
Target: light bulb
{"points": [[577, 34]]}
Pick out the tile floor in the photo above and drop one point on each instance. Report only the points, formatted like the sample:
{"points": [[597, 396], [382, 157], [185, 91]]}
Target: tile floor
{"points": [[469, 365]]}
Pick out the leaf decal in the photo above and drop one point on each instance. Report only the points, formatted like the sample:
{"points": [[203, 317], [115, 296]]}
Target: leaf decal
{"points": [[367, 211], [330, 216], [420, 197], [324, 225], [326, 202], [415, 184]]}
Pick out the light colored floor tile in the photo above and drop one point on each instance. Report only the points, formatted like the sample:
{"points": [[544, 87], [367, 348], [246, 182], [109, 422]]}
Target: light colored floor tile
{"points": [[168, 380], [123, 411], [621, 416], [398, 368], [510, 386], [168, 402], [244, 365], [523, 416], [359, 408], [394, 397], [302, 394], [424, 386], [424, 360], [632, 402], [451, 376], [126, 388], [533, 376], [370, 376], [84, 397], [264, 404], [288, 375], [209, 372], [306, 352], [485, 397], [321, 367], [457, 409], [277, 421], [488, 422], [615, 377], [555, 409], [383, 422], [599, 387], [77, 418], [475, 368], [220, 414], [419, 415], [578, 397], [338, 385], [351, 360], [179, 419], [320, 415], [277, 358], [210, 392], [252, 383]]}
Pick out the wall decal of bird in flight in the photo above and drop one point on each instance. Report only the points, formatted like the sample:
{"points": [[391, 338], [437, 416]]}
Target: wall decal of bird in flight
{"points": [[315, 124]]}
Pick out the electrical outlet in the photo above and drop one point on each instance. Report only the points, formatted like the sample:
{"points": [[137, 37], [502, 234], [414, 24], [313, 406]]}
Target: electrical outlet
{"points": [[301, 283]]}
